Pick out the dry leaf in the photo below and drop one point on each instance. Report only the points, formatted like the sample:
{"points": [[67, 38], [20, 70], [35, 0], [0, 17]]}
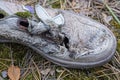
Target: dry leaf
{"points": [[14, 72]]}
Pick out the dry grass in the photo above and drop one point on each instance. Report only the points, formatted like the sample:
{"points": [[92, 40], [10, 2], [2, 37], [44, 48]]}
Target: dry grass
{"points": [[34, 67]]}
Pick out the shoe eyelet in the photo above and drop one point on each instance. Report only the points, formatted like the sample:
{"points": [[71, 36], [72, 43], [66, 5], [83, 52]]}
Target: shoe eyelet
{"points": [[23, 24]]}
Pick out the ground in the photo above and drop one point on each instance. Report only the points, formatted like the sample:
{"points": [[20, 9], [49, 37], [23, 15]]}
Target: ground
{"points": [[35, 67]]}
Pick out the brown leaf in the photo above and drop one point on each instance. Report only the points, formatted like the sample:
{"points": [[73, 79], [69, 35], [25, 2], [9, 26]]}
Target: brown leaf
{"points": [[14, 72]]}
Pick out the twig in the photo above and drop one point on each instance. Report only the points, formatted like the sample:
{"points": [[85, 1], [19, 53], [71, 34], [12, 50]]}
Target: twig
{"points": [[38, 70], [4, 64], [61, 74], [11, 55], [112, 13]]}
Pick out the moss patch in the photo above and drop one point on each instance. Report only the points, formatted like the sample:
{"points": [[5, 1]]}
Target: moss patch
{"points": [[3, 12], [24, 14], [17, 51], [118, 45], [115, 24], [57, 4], [116, 33]]}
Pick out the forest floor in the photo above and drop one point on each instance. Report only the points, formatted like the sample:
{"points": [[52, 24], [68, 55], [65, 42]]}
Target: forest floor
{"points": [[35, 67]]}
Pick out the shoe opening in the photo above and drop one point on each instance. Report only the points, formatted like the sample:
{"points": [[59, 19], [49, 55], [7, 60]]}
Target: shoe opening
{"points": [[23, 22], [2, 15], [66, 42]]}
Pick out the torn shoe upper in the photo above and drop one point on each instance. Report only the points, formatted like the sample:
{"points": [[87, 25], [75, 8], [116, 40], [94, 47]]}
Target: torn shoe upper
{"points": [[85, 42]]}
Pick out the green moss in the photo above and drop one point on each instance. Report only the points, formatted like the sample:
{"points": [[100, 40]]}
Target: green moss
{"points": [[3, 56], [3, 12], [115, 24], [116, 33], [116, 27], [118, 45], [57, 4], [24, 14], [29, 76], [18, 52]]}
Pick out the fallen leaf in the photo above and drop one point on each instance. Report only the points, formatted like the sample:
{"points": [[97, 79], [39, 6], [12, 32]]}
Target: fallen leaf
{"points": [[14, 72]]}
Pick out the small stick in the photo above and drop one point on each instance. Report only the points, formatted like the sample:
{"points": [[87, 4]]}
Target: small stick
{"points": [[112, 13]]}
